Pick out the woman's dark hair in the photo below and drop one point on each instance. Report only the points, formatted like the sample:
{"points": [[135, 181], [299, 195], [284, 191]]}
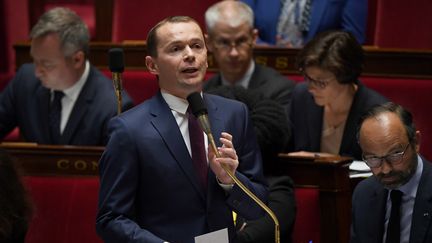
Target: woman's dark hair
{"points": [[334, 51], [15, 207]]}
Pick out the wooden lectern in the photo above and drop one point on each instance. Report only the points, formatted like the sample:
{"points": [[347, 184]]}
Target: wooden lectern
{"points": [[330, 176]]}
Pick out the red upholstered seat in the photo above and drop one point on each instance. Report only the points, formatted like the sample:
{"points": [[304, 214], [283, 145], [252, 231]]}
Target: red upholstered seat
{"points": [[65, 209], [307, 225], [413, 94], [404, 24]]}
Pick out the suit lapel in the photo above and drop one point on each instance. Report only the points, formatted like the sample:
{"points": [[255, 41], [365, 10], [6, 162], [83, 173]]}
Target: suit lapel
{"points": [[422, 214], [43, 100], [165, 123], [217, 126], [79, 109], [377, 206]]}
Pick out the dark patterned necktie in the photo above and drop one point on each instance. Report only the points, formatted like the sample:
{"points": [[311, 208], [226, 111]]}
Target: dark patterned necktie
{"points": [[393, 228], [199, 157], [306, 16], [55, 116]]}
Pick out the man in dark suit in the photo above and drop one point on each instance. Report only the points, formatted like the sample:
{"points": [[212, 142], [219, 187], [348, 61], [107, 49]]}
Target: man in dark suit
{"points": [[395, 204], [231, 39], [60, 98], [150, 189]]}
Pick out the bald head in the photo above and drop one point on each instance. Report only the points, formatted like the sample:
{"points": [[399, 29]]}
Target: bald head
{"points": [[232, 13]]}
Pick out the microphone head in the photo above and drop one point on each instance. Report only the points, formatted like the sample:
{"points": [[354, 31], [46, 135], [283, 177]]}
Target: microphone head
{"points": [[196, 104], [116, 60]]}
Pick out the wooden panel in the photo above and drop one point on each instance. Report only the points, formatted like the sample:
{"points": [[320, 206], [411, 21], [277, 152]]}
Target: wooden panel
{"points": [[379, 61], [55, 160]]}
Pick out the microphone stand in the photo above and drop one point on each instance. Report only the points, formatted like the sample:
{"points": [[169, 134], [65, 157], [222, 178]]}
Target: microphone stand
{"points": [[116, 77], [237, 181]]}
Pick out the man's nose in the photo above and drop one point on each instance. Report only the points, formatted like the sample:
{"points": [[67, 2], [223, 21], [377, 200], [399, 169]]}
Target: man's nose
{"points": [[189, 54]]}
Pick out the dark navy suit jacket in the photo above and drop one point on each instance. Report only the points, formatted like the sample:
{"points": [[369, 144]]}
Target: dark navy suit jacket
{"points": [[307, 120], [25, 103], [149, 192], [368, 210], [348, 15]]}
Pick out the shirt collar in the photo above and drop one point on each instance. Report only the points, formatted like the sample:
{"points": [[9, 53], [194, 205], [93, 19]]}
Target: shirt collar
{"points": [[245, 80], [75, 89], [175, 103]]}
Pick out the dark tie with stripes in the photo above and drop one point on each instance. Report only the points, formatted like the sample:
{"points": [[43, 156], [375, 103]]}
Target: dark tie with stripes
{"points": [[393, 228], [55, 116], [199, 157]]}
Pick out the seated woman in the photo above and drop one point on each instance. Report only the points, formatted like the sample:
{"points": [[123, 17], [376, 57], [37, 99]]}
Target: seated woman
{"points": [[325, 109]]}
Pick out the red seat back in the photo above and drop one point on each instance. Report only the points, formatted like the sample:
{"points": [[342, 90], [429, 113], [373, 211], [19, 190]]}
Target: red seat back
{"points": [[65, 209]]}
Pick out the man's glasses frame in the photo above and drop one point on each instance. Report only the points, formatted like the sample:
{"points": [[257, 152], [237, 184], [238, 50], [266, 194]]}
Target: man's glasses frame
{"points": [[392, 158]]}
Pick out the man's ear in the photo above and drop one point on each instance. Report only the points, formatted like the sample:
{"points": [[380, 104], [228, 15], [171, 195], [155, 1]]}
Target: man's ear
{"points": [[209, 42], [417, 141], [254, 36], [78, 59], [151, 65]]}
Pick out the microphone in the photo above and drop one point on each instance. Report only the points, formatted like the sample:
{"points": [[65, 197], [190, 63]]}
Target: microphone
{"points": [[199, 110], [116, 66]]}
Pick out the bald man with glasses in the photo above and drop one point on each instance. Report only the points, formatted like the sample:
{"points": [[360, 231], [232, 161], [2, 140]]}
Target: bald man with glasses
{"points": [[395, 204]]}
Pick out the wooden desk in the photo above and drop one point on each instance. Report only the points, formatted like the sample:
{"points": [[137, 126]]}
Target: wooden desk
{"points": [[55, 160], [330, 175], [379, 61]]}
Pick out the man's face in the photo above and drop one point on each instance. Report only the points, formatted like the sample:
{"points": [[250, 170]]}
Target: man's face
{"points": [[181, 63], [232, 48], [52, 68], [386, 135]]}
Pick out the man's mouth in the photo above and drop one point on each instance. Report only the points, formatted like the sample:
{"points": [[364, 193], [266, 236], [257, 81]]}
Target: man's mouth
{"points": [[190, 70]]}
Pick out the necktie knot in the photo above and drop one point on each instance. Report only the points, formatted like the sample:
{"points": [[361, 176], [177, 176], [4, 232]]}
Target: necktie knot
{"points": [[55, 117], [396, 197]]}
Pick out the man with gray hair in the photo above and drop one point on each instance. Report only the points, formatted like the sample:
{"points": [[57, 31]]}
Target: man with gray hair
{"points": [[60, 98], [231, 37]]}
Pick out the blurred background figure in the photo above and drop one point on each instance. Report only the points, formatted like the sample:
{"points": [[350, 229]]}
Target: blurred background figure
{"points": [[15, 206], [326, 107], [291, 23], [60, 98], [231, 37], [272, 131]]}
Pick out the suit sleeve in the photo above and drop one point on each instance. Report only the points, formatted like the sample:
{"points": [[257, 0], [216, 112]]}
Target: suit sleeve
{"points": [[118, 169], [8, 120]]}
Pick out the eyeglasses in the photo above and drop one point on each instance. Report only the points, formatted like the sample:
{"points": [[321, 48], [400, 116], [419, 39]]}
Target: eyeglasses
{"points": [[239, 44], [393, 158], [321, 84]]}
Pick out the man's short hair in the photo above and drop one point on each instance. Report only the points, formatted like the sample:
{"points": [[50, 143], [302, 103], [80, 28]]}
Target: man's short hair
{"points": [[73, 32], [152, 40], [403, 114], [215, 13]]}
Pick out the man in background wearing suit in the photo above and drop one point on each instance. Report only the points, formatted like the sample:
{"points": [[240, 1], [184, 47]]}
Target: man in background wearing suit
{"points": [[60, 98], [231, 38], [151, 188], [395, 204]]}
